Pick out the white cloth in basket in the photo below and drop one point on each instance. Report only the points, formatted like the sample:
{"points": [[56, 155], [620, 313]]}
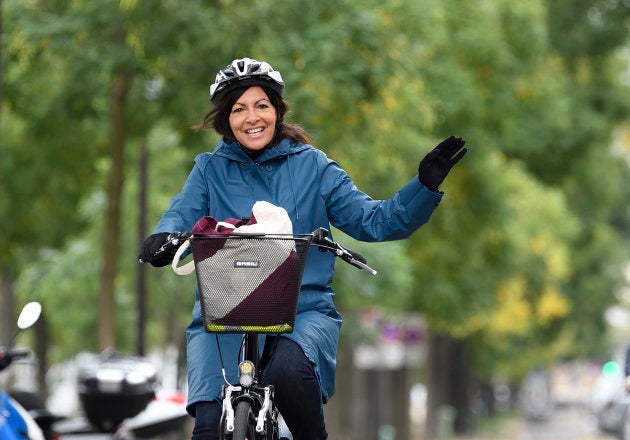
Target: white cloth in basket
{"points": [[266, 218]]}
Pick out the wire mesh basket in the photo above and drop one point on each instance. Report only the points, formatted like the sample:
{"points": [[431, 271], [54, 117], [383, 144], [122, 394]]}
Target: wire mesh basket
{"points": [[249, 283]]}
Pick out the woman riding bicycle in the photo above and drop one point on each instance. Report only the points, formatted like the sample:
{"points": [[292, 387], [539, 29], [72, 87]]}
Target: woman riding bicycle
{"points": [[263, 157]]}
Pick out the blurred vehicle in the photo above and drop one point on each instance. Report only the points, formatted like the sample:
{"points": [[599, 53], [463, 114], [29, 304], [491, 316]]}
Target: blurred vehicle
{"points": [[610, 402], [535, 396], [119, 400]]}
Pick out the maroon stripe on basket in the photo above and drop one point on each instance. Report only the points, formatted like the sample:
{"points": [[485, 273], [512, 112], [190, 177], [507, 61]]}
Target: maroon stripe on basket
{"points": [[206, 247], [272, 302]]}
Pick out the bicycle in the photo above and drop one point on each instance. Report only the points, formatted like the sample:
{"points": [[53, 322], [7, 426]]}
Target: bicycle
{"points": [[248, 408]]}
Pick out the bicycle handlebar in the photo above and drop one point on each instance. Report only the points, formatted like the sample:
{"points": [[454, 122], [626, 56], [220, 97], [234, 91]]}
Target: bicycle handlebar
{"points": [[319, 239], [8, 355], [173, 242]]}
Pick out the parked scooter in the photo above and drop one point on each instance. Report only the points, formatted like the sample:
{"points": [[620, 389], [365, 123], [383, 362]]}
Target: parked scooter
{"points": [[16, 423], [118, 399], [117, 394]]}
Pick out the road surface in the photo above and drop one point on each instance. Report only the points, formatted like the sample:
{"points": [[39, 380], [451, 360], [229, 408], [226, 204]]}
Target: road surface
{"points": [[574, 423]]}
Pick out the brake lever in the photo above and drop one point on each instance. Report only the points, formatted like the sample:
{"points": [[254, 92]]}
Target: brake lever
{"points": [[326, 245], [355, 259], [173, 241]]}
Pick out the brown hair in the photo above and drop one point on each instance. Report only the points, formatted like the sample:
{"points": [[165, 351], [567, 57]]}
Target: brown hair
{"points": [[218, 118]]}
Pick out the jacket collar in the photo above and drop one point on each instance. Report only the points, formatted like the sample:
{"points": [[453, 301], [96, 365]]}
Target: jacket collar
{"points": [[232, 151]]}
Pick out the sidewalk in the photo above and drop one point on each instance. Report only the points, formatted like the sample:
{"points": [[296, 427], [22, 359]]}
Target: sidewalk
{"points": [[570, 423], [504, 429]]}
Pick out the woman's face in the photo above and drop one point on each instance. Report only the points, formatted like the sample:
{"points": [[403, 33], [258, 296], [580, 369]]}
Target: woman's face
{"points": [[253, 119]]}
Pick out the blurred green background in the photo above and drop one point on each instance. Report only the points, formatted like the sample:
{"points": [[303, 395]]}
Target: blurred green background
{"points": [[518, 266]]}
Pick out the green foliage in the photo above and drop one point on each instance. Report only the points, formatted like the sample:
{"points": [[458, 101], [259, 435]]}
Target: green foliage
{"points": [[532, 231], [390, 288]]}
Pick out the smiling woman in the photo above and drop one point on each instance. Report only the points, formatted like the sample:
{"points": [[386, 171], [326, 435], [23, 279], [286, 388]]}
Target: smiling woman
{"points": [[264, 158], [249, 92], [253, 119]]}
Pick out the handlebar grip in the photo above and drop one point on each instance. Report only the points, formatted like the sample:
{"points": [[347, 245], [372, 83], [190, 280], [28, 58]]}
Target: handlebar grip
{"points": [[8, 355], [17, 353], [356, 256]]}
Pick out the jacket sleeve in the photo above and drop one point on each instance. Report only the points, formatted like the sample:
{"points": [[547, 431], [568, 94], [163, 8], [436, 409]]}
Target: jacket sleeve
{"points": [[190, 204], [366, 219]]}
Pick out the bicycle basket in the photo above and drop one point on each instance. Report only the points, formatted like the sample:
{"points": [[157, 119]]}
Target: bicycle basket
{"points": [[249, 283]]}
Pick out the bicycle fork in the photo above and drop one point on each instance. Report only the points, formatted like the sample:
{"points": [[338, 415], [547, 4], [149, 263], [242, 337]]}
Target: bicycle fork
{"points": [[261, 421], [264, 421], [259, 398]]}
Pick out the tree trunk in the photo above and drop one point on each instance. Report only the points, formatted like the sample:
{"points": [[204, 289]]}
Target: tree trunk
{"points": [[111, 239], [6, 290], [7, 309], [448, 378], [41, 352], [141, 272], [1, 90], [461, 380]]}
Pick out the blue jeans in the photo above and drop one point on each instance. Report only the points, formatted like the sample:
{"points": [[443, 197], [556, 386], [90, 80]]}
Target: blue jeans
{"points": [[297, 396]]}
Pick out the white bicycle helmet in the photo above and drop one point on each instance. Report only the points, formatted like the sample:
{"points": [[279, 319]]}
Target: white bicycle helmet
{"points": [[245, 72]]}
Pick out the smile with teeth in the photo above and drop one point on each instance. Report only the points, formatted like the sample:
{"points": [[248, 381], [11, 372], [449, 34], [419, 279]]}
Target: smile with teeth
{"points": [[254, 130]]}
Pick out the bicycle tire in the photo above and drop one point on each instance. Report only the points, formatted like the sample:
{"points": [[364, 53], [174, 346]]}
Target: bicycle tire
{"points": [[243, 430]]}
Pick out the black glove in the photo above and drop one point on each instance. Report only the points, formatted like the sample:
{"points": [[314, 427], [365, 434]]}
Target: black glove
{"points": [[151, 246], [438, 162]]}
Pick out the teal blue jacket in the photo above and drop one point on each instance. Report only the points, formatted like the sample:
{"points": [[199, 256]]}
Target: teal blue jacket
{"points": [[316, 192]]}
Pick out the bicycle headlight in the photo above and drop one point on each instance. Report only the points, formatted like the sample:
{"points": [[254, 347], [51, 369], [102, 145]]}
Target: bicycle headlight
{"points": [[246, 373]]}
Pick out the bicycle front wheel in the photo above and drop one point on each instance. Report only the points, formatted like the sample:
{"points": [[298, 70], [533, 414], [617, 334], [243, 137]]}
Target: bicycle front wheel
{"points": [[243, 422]]}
